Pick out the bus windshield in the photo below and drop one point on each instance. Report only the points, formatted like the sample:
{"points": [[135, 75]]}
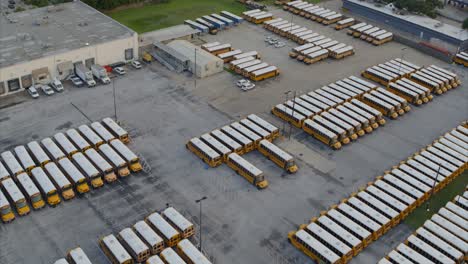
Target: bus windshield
{"points": [[52, 193], [290, 163], [5, 210], [21, 203], [36, 198]]}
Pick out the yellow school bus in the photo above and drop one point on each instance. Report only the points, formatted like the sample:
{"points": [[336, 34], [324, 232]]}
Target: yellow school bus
{"points": [[278, 156]]}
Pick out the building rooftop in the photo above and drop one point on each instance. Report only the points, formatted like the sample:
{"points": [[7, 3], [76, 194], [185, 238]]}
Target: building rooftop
{"points": [[169, 33], [187, 49], [41, 32], [427, 22]]}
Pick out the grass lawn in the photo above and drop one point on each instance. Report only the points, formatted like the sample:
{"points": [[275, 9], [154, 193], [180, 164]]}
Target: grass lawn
{"points": [[420, 215], [156, 16]]}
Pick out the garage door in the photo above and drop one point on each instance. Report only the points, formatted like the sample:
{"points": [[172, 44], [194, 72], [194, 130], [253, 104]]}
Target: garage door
{"points": [[26, 81], [41, 75], [64, 69]]}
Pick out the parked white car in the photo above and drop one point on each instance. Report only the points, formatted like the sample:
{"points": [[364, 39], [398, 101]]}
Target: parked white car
{"points": [[57, 85], [119, 70], [242, 82], [32, 91], [47, 90], [248, 86], [280, 45], [136, 64], [76, 81]]}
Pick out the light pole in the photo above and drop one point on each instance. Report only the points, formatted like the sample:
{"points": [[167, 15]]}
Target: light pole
{"points": [[284, 120], [199, 201], [293, 108], [115, 104], [195, 70]]}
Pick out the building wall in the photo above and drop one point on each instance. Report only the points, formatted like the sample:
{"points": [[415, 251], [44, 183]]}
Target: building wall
{"points": [[400, 24], [105, 53]]}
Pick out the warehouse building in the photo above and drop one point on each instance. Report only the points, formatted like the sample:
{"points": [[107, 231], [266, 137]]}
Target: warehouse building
{"points": [[205, 63], [44, 43], [421, 27]]}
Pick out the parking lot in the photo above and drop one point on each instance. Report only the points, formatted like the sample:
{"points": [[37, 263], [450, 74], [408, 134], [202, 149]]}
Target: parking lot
{"points": [[162, 110]]}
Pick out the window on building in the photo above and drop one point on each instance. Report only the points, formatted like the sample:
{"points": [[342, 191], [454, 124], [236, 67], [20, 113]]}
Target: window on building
{"points": [[2, 88], [26, 81], [14, 85], [129, 54]]}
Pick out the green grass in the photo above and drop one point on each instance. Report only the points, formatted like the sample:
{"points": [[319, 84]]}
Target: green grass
{"points": [[417, 218], [155, 16]]}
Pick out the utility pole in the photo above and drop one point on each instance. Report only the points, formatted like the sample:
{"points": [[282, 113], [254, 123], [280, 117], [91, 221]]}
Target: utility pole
{"points": [[195, 70], [199, 201], [284, 121]]}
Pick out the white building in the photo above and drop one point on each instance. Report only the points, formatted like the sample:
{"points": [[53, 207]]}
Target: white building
{"points": [[40, 44], [206, 63]]}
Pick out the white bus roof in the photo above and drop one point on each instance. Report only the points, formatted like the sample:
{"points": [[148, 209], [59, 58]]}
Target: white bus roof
{"points": [[446, 235], [204, 147], [171, 257], [254, 127], [192, 253], [407, 183], [85, 164], [245, 164], [236, 135], [368, 210], [78, 255], [329, 238], [242, 60], [111, 124], [225, 139], [113, 157], [61, 261], [364, 220], [303, 47], [76, 138], [65, 143], [219, 47], [262, 123], [452, 217], [43, 180], [3, 172], [147, 233], [265, 70], [246, 54], [248, 64], [400, 259], [24, 157], [154, 260], [12, 190], [177, 218], [102, 131], [245, 131], [98, 160], [162, 225], [385, 35], [283, 154], [457, 210], [38, 152], [450, 225], [133, 241], [324, 251], [57, 175], [329, 125], [71, 170], [27, 184], [356, 26], [444, 246], [3, 200], [320, 128], [400, 195], [412, 254], [381, 206], [123, 150], [11, 162], [348, 223], [345, 21], [52, 148], [229, 53], [210, 44], [256, 67], [337, 230], [215, 144], [90, 135], [116, 249], [288, 111]]}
